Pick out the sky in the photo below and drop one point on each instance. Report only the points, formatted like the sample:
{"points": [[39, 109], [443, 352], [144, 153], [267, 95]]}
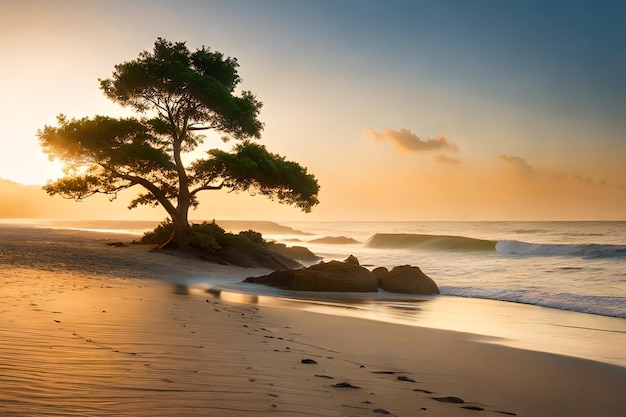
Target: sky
{"points": [[403, 110]]}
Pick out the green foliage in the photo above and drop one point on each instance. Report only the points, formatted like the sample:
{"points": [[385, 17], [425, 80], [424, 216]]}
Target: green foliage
{"points": [[198, 85], [252, 236], [160, 234], [206, 236], [202, 240], [252, 168]]}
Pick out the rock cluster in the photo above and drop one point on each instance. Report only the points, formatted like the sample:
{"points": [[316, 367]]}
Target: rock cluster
{"points": [[325, 276], [349, 276]]}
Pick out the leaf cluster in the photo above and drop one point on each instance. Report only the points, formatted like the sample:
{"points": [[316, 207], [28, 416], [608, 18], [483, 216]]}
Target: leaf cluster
{"points": [[187, 90], [250, 167], [104, 154]]}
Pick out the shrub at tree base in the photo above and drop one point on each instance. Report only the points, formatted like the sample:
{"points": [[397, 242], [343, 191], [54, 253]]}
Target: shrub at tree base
{"points": [[211, 242]]}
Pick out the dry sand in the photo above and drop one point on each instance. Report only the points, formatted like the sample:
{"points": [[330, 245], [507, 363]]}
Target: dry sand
{"points": [[89, 329]]}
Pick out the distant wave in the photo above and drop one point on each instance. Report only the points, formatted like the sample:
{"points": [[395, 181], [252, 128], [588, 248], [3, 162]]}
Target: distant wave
{"points": [[530, 231], [602, 305], [591, 250], [513, 248], [432, 242]]}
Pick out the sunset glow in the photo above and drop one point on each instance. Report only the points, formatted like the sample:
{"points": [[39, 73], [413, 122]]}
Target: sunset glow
{"points": [[419, 111]]}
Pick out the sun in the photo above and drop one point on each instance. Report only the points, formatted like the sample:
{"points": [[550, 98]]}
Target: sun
{"points": [[30, 168]]}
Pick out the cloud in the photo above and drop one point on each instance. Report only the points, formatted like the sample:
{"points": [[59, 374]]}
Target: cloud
{"points": [[410, 142], [518, 162], [542, 174], [447, 160]]}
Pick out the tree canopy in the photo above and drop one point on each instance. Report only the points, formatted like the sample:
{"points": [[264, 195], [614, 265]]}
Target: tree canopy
{"points": [[177, 94]]}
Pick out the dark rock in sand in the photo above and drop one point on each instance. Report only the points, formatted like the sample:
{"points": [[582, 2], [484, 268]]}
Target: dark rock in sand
{"points": [[117, 244], [333, 276], [451, 400], [408, 279], [345, 385], [425, 391], [473, 408]]}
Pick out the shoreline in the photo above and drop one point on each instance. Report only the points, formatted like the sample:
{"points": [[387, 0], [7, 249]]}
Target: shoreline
{"points": [[535, 328], [87, 324]]}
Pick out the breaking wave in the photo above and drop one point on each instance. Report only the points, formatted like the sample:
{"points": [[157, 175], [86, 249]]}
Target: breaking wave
{"points": [[512, 248], [590, 250]]}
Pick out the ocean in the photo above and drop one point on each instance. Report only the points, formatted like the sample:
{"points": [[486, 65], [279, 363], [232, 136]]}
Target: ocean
{"points": [[576, 266], [557, 287]]}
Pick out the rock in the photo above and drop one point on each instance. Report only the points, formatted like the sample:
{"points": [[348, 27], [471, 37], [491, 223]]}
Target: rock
{"points": [[250, 256], [380, 273], [299, 253], [352, 260], [408, 279], [333, 276], [117, 244]]}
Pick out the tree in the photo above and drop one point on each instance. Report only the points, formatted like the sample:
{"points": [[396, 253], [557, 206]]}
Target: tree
{"points": [[178, 94]]}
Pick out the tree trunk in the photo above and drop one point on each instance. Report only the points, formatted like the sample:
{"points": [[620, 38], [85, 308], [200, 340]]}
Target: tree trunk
{"points": [[182, 232]]}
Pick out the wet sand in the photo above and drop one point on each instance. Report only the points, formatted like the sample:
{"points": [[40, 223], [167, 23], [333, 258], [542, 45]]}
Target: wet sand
{"points": [[99, 330]]}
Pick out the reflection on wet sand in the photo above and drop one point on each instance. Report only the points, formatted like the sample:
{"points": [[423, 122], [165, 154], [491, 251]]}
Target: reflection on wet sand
{"points": [[516, 325], [394, 309]]}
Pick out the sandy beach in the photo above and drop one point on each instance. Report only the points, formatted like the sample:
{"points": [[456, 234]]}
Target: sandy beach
{"points": [[93, 329]]}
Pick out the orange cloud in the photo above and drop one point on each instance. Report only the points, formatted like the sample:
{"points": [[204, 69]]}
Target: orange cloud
{"points": [[518, 162], [447, 160], [542, 174], [410, 142]]}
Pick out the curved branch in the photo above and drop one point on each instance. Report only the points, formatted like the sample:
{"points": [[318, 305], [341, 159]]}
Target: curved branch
{"points": [[156, 191], [206, 187]]}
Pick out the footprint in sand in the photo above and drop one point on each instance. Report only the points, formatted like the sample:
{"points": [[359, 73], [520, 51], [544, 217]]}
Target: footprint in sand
{"points": [[345, 385], [473, 408], [452, 400]]}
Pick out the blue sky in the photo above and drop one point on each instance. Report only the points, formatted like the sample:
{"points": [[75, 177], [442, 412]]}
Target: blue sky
{"points": [[531, 94]]}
